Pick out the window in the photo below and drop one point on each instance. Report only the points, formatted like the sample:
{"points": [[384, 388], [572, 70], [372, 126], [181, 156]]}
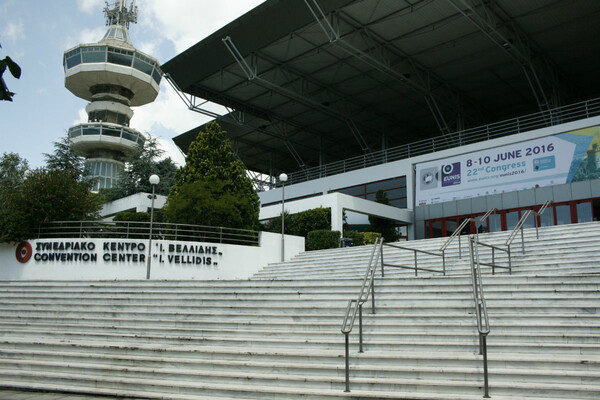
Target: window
{"points": [[118, 56], [394, 188], [563, 214], [584, 212], [94, 54]]}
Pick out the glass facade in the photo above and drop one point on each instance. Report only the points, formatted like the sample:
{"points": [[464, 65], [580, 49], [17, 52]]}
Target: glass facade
{"points": [[395, 188], [104, 173], [106, 130], [112, 55], [576, 211]]}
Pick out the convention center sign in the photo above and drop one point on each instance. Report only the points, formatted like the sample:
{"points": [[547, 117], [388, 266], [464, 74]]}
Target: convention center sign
{"points": [[109, 258], [551, 160]]}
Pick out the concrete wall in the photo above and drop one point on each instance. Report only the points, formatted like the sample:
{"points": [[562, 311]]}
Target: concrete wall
{"points": [[80, 259]]}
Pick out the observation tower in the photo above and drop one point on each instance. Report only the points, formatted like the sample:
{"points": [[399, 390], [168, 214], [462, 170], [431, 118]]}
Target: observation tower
{"points": [[113, 76]]}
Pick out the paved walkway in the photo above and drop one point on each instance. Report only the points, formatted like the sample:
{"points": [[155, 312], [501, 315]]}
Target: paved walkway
{"points": [[28, 395]]}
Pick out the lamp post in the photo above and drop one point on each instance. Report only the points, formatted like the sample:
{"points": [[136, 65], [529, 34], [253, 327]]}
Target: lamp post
{"points": [[154, 180], [283, 178]]}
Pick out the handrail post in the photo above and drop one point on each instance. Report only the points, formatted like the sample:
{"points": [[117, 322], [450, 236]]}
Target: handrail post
{"points": [[522, 241], [372, 297], [360, 329], [459, 247], [382, 263], [509, 261], [486, 385], [444, 261], [493, 261], [346, 334], [80, 229], [416, 268]]}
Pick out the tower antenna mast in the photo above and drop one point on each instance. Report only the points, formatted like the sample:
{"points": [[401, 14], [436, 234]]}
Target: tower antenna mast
{"points": [[120, 14]]}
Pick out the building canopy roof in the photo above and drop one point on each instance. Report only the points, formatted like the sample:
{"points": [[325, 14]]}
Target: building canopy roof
{"points": [[315, 81]]}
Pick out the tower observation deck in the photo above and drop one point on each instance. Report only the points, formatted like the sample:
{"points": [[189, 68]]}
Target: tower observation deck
{"points": [[113, 76]]}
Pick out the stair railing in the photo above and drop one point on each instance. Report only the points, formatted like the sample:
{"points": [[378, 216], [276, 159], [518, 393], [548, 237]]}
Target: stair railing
{"points": [[415, 267], [355, 306], [483, 323], [519, 226], [460, 228]]}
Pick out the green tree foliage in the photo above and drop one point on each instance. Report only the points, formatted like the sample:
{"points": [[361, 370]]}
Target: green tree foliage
{"points": [[15, 71], [300, 224], [207, 203], [386, 227], [139, 167], [46, 195], [12, 174], [213, 188], [65, 158]]}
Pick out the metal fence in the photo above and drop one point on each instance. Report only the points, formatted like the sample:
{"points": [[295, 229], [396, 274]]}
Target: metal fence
{"points": [[542, 119], [141, 230]]}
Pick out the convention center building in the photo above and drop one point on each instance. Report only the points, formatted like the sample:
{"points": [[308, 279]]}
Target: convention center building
{"points": [[452, 108]]}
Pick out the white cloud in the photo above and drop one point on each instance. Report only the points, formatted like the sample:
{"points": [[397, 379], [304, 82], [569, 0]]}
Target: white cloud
{"points": [[148, 47], [166, 116], [83, 117], [14, 31], [171, 150], [91, 35], [90, 6], [186, 22]]}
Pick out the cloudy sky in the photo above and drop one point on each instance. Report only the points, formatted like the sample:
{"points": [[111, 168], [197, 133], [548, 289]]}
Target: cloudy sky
{"points": [[36, 33]]}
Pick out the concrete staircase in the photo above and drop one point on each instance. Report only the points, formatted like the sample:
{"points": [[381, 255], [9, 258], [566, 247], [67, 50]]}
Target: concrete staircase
{"points": [[565, 249], [277, 336]]}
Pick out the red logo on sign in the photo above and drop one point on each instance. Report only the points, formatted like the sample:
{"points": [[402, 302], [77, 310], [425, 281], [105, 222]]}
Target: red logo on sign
{"points": [[24, 252]]}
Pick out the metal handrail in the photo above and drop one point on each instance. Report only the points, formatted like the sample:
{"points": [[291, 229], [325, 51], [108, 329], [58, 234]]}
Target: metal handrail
{"points": [[483, 322], [519, 226], [542, 119], [493, 263], [457, 231], [416, 266], [355, 305], [141, 230]]}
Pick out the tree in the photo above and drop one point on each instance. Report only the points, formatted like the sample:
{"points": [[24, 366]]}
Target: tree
{"points": [[385, 226], [139, 167], [213, 188], [12, 174], [65, 158], [15, 71], [46, 195]]}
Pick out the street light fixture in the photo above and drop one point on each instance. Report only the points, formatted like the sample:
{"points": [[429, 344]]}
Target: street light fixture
{"points": [[154, 180], [283, 178]]}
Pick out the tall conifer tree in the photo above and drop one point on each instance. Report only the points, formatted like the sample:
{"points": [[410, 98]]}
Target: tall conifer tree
{"points": [[213, 174]]}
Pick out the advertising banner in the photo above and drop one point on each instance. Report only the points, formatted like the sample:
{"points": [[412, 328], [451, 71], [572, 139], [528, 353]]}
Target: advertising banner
{"points": [[551, 160]]}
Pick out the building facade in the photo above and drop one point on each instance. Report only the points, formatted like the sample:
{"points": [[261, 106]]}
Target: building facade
{"points": [[510, 174]]}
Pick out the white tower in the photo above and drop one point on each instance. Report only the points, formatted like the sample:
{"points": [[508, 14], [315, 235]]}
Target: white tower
{"points": [[113, 76]]}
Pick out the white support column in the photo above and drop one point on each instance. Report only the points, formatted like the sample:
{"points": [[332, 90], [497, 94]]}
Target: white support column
{"points": [[337, 218]]}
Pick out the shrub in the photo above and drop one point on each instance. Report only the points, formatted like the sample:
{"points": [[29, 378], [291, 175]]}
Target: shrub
{"points": [[357, 237], [300, 224], [322, 239], [370, 237]]}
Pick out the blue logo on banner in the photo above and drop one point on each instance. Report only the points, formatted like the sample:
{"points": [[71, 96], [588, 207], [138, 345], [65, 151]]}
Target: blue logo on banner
{"points": [[451, 174], [541, 164]]}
